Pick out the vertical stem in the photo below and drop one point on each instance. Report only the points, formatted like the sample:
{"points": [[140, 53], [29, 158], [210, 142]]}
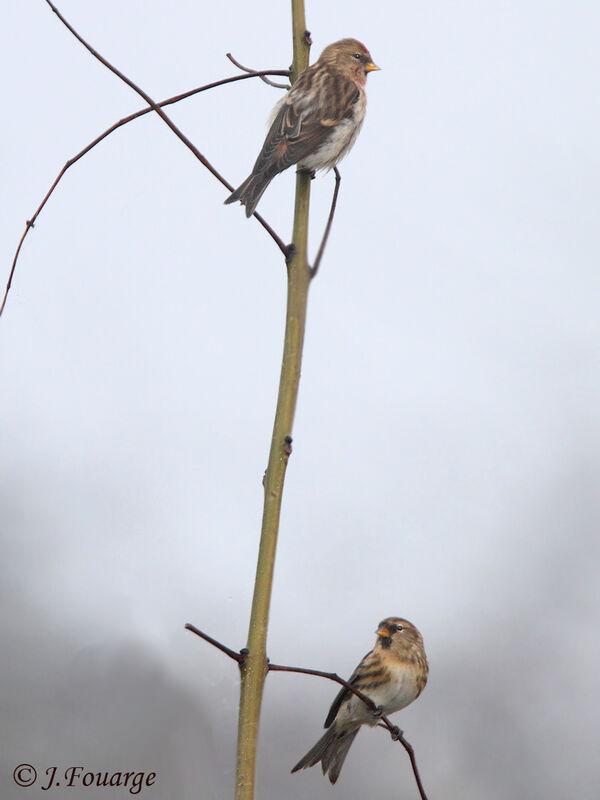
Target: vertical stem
{"points": [[300, 45], [254, 669]]}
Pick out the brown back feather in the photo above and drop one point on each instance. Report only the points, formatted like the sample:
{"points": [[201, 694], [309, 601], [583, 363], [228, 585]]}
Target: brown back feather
{"points": [[302, 125]]}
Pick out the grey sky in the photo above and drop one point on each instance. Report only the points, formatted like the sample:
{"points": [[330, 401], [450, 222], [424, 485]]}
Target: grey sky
{"points": [[446, 457]]}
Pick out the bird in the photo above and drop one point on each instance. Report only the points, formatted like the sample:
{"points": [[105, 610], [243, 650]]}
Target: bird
{"points": [[316, 123], [392, 675]]}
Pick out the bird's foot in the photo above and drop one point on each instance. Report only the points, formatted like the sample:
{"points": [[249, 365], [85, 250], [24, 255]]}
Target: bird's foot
{"points": [[305, 171], [377, 712], [396, 733]]}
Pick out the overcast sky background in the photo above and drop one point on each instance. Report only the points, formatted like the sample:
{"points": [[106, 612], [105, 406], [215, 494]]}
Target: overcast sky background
{"points": [[446, 443]]}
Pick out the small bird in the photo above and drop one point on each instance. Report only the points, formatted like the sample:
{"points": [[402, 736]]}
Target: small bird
{"points": [[317, 122], [392, 675]]}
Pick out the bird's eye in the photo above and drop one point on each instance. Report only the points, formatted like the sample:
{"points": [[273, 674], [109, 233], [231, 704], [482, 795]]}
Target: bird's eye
{"points": [[357, 56], [399, 627]]}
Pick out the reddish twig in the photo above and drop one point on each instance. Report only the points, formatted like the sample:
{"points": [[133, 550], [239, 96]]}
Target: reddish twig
{"points": [[30, 222], [152, 107], [137, 89], [162, 115], [285, 86], [332, 676], [239, 657], [315, 266], [398, 735], [395, 732]]}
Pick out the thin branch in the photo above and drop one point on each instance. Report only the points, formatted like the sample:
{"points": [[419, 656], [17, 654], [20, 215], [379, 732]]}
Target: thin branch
{"points": [[262, 77], [315, 267], [395, 732], [30, 222], [152, 107], [239, 657], [398, 735], [332, 676], [160, 113]]}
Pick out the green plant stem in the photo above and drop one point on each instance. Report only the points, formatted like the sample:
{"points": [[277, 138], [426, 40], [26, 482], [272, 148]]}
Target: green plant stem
{"points": [[300, 45], [254, 669]]}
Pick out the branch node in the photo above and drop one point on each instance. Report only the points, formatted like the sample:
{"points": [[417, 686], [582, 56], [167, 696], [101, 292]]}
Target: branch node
{"points": [[291, 252], [305, 171], [215, 643]]}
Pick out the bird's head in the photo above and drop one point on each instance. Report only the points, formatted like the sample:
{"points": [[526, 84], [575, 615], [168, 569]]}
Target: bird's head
{"points": [[398, 634], [351, 57]]}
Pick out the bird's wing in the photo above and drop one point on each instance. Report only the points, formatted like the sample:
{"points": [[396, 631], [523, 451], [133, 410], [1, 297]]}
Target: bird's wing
{"points": [[314, 106], [370, 660]]}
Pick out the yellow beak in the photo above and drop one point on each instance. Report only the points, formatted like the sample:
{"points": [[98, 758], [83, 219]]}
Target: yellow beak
{"points": [[371, 67], [384, 633]]}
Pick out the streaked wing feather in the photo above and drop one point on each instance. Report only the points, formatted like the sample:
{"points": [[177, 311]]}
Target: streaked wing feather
{"points": [[345, 693], [341, 696], [300, 128]]}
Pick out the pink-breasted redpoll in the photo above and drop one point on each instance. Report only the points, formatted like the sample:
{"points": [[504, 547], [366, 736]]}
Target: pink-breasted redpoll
{"points": [[317, 122]]}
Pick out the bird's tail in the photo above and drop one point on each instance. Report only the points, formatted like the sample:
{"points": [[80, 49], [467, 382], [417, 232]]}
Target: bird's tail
{"points": [[251, 190], [331, 750]]}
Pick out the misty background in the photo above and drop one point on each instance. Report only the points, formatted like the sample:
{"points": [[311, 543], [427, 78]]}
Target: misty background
{"points": [[446, 442]]}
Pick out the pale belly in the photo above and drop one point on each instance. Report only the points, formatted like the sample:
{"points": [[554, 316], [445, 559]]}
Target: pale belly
{"points": [[391, 697], [339, 143]]}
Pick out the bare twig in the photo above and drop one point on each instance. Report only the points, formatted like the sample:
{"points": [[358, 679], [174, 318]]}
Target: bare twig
{"points": [[262, 77], [394, 730], [30, 222], [152, 107], [315, 266], [161, 114], [135, 88], [239, 657], [332, 676], [398, 735]]}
